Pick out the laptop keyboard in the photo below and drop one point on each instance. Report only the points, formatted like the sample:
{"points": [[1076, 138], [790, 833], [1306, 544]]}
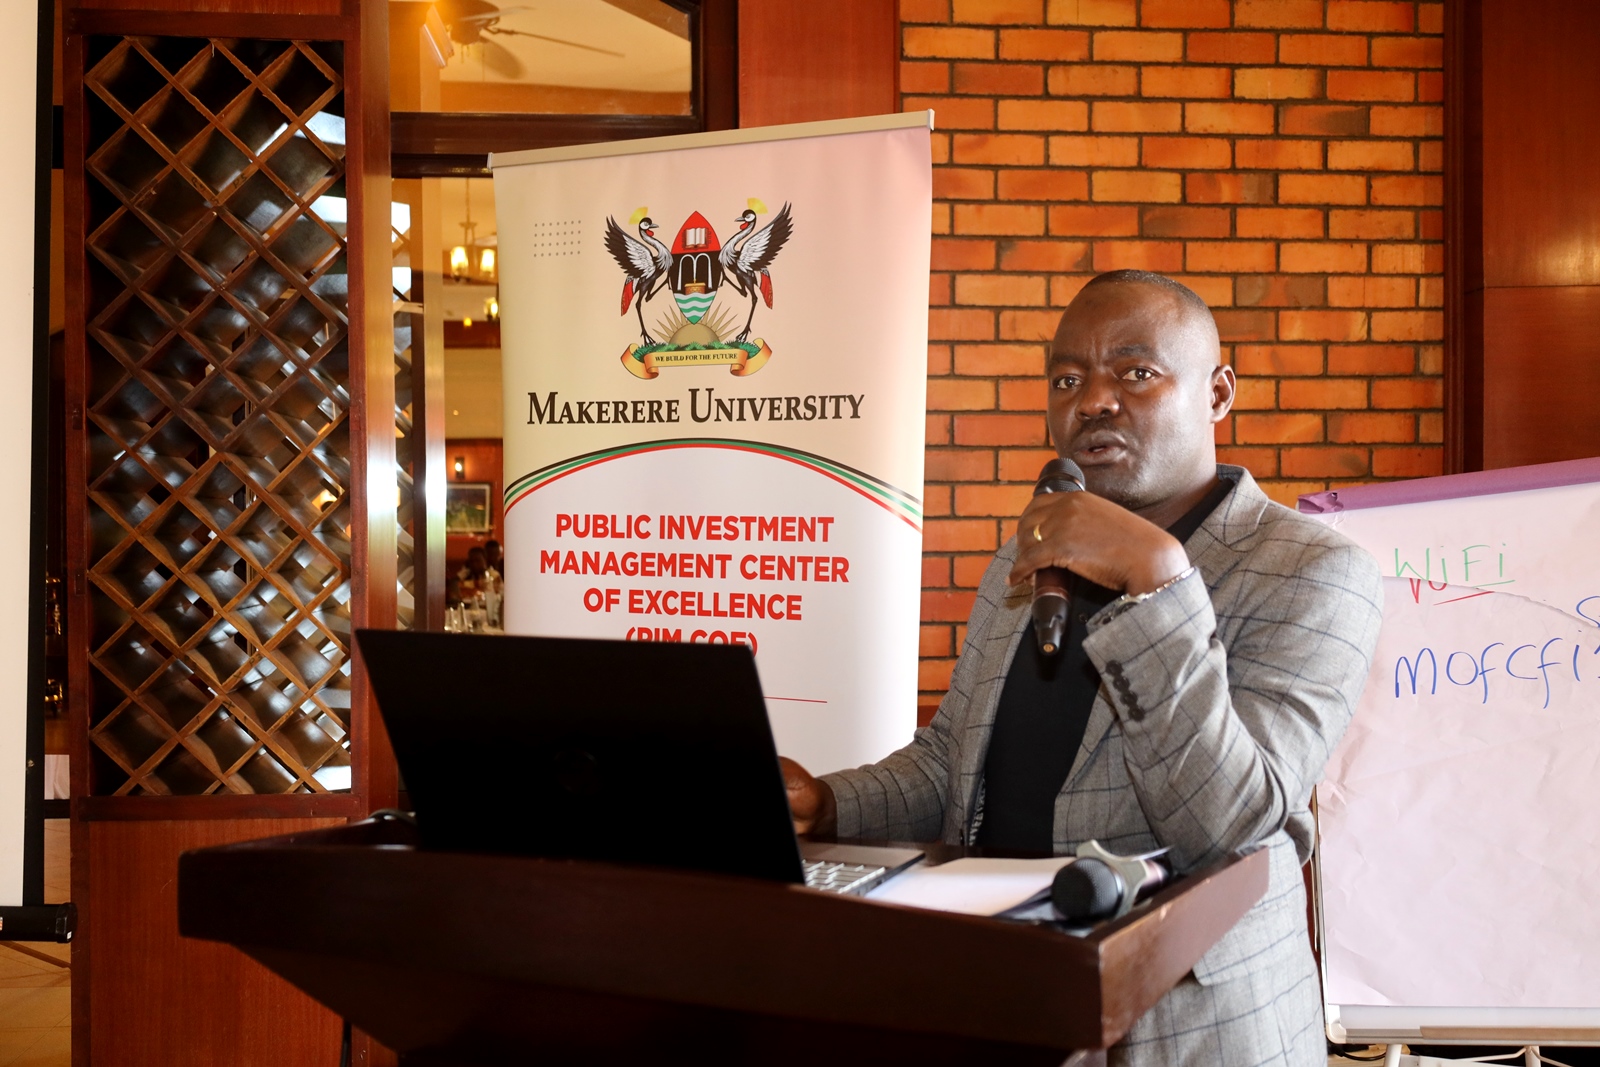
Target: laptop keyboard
{"points": [[833, 877]]}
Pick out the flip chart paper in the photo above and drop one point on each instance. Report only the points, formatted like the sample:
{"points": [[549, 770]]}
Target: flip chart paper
{"points": [[1460, 832], [1536, 543], [1458, 818]]}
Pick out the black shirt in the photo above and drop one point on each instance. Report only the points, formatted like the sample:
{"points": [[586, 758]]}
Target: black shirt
{"points": [[1044, 710]]}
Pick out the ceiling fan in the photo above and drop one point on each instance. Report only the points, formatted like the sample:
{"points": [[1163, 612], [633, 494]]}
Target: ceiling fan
{"points": [[469, 20]]}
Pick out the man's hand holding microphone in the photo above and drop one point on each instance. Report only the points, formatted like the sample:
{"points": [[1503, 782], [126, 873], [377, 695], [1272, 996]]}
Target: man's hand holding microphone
{"points": [[1062, 530]]}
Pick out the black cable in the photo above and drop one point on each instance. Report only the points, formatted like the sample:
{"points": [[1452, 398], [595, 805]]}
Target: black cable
{"points": [[344, 1044], [1349, 1052]]}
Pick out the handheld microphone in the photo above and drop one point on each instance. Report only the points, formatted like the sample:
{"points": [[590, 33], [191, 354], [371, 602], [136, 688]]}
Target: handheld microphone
{"points": [[1102, 885], [1050, 597]]}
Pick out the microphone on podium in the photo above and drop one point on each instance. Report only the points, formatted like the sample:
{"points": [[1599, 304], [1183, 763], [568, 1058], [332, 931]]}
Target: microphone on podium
{"points": [[1051, 600], [1100, 884]]}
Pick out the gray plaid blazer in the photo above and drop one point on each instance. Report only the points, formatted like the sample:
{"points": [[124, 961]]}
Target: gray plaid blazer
{"points": [[1221, 700]]}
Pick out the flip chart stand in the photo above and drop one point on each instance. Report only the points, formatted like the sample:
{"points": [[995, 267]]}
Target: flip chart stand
{"points": [[1394, 1056], [1405, 959]]}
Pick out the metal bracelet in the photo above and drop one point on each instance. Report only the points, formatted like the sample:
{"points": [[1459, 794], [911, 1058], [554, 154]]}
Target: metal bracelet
{"points": [[1128, 600]]}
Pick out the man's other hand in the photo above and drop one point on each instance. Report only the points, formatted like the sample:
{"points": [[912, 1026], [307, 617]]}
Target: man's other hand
{"points": [[810, 799]]}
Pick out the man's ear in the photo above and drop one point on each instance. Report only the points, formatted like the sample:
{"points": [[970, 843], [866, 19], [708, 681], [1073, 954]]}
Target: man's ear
{"points": [[1224, 387]]}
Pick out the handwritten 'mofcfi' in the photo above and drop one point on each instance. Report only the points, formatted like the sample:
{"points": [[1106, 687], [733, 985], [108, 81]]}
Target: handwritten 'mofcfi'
{"points": [[1548, 660], [1421, 674]]}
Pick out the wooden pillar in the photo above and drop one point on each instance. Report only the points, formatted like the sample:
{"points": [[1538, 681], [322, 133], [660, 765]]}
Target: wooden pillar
{"points": [[1523, 233], [805, 60]]}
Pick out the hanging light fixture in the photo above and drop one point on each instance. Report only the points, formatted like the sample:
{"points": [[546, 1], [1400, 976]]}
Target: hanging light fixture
{"points": [[473, 261], [462, 255]]}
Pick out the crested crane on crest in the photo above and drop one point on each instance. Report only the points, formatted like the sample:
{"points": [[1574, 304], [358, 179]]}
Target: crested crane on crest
{"points": [[646, 264], [746, 259]]}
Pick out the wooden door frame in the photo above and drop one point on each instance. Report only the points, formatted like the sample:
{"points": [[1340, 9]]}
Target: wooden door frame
{"points": [[1463, 236]]}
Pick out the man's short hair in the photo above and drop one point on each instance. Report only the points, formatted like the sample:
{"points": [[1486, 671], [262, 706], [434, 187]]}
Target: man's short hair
{"points": [[1150, 277]]}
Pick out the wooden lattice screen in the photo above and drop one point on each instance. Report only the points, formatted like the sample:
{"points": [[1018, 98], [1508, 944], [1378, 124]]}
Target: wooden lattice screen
{"points": [[217, 416]]}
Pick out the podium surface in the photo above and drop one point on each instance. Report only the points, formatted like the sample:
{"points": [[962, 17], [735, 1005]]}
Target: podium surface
{"points": [[457, 959]]}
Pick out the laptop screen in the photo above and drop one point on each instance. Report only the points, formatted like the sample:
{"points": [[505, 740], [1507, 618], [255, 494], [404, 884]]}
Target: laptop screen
{"points": [[617, 751]]}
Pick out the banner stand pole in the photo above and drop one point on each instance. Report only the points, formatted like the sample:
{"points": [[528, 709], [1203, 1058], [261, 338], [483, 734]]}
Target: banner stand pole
{"points": [[38, 922]]}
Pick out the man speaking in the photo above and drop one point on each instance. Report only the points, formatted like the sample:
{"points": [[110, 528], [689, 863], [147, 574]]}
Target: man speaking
{"points": [[1215, 649]]}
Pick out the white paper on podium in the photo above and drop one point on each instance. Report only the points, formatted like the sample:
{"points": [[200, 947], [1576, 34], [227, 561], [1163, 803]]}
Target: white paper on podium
{"points": [[972, 885]]}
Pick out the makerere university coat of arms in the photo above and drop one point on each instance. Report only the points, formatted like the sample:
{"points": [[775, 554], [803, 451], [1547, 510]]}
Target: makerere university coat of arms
{"points": [[693, 331]]}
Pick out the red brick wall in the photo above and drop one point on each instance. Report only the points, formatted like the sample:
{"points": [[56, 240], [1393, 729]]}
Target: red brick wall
{"points": [[1281, 157]]}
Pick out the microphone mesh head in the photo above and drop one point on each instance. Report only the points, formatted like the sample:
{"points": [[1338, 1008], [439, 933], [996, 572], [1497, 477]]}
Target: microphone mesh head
{"points": [[1086, 889], [1060, 475]]}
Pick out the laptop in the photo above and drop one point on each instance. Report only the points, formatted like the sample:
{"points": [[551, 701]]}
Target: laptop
{"points": [[616, 751]]}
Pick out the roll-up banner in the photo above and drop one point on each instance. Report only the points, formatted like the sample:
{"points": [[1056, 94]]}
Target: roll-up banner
{"points": [[714, 353], [20, 836]]}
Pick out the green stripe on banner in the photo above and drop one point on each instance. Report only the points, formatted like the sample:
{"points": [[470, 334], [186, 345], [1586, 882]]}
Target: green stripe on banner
{"points": [[899, 502]]}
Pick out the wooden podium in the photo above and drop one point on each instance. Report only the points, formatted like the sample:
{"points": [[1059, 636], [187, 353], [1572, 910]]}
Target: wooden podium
{"points": [[466, 959]]}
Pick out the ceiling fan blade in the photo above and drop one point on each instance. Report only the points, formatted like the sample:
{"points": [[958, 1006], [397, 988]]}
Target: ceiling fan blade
{"points": [[490, 16], [553, 40], [501, 60]]}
